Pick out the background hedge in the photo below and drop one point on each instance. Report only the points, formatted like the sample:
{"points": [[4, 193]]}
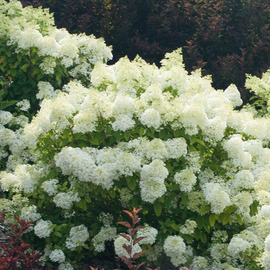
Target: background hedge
{"points": [[227, 38]]}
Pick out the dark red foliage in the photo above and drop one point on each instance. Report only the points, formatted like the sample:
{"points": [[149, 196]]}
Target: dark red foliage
{"points": [[16, 253], [130, 236]]}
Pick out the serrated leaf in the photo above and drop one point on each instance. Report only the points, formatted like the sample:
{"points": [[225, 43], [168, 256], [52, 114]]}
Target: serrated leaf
{"points": [[157, 208]]}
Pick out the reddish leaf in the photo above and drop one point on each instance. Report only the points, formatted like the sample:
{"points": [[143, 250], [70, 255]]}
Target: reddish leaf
{"points": [[140, 265], [125, 236], [125, 260], [124, 223], [137, 255], [127, 248], [138, 240], [129, 213]]}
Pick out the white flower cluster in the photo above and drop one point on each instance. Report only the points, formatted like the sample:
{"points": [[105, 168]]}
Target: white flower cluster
{"points": [[175, 248], [189, 227], [120, 250], [77, 237], [217, 197], [149, 233], [173, 128], [27, 29], [107, 233], [50, 186], [24, 105], [152, 180], [42, 228], [57, 255], [65, 200]]}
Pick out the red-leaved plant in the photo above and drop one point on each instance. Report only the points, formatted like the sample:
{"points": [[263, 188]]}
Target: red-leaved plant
{"points": [[16, 253], [132, 229], [131, 238]]}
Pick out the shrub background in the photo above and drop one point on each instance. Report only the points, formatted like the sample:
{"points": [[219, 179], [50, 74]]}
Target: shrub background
{"points": [[226, 38]]}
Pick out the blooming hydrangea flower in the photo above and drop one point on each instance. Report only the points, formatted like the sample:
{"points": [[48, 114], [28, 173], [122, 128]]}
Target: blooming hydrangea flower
{"points": [[120, 251], [42, 228], [151, 118], [45, 90], [186, 180], [65, 200], [106, 233], [175, 248], [265, 210], [77, 237], [267, 243], [5, 117], [152, 180], [237, 245], [65, 266], [50, 186], [199, 263], [189, 227], [24, 105], [57, 255], [217, 197], [149, 233], [29, 213]]}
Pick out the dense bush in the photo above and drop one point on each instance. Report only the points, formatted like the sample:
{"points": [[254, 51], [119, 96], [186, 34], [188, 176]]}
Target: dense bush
{"points": [[156, 138], [135, 135], [34, 56], [33, 50], [226, 38]]}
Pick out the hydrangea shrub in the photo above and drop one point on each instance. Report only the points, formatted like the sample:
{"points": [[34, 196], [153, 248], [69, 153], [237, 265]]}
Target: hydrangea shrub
{"points": [[155, 138], [36, 58], [33, 52]]}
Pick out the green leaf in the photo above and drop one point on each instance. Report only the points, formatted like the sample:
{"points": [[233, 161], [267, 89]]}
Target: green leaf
{"points": [[212, 220], [141, 131], [205, 209], [112, 193], [25, 66], [131, 183], [94, 141], [239, 219], [203, 237], [157, 208], [57, 234], [175, 227], [82, 204], [230, 209], [225, 219], [126, 136]]}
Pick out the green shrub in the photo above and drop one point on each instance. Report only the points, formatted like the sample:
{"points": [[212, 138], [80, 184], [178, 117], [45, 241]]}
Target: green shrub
{"points": [[33, 50], [159, 139]]}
